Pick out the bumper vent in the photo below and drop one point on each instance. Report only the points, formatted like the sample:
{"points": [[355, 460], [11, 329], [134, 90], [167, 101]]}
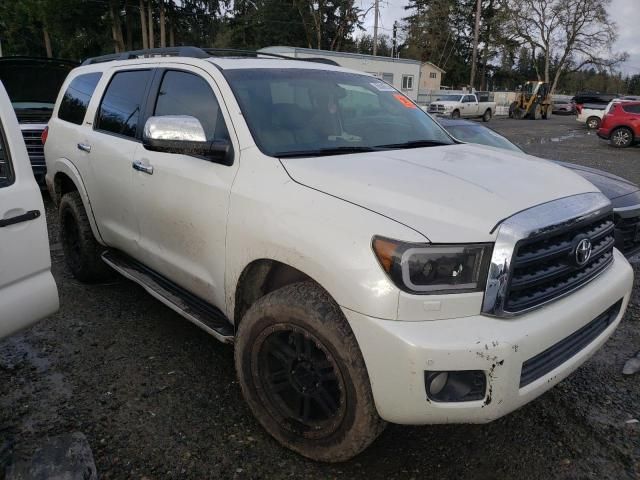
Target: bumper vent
{"points": [[35, 149], [554, 356], [545, 267]]}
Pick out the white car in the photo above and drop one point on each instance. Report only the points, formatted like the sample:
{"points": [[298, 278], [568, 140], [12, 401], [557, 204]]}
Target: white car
{"points": [[591, 116], [462, 106], [28, 292], [367, 267]]}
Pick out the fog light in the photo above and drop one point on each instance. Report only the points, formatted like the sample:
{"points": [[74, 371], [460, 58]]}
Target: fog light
{"points": [[458, 386]]}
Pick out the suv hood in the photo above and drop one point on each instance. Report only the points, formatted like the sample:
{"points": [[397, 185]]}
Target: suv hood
{"points": [[454, 193]]}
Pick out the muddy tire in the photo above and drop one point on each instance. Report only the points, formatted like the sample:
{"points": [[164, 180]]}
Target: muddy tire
{"points": [[81, 250], [621, 137], [593, 123], [455, 114], [487, 115], [302, 374]]}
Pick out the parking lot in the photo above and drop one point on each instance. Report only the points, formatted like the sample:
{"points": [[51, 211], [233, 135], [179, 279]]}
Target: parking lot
{"points": [[158, 398]]}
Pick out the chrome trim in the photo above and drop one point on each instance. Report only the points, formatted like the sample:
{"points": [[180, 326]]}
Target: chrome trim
{"points": [[534, 221]]}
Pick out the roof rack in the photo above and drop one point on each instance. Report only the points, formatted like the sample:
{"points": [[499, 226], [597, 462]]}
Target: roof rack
{"points": [[192, 52]]}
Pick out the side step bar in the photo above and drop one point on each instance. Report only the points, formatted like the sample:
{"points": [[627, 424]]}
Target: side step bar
{"points": [[203, 314]]}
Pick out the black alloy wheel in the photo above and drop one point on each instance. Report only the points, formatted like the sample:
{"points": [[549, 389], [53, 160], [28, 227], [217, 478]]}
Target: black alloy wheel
{"points": [[301, 383]]}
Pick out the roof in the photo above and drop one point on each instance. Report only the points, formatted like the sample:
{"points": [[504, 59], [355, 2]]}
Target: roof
{"points": [[434, 66], [293, 51]]}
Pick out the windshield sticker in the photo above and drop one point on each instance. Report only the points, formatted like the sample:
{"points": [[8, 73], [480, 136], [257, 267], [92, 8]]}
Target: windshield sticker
{"points": [[383, 87], [404, 101]]}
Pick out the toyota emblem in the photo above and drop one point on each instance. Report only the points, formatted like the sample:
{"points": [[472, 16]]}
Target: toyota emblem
{"points": [[583, 252]]}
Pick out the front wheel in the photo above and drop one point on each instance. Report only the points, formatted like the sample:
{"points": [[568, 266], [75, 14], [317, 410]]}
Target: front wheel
{"points": [[621, 137], [303, 376], [455, 114]]}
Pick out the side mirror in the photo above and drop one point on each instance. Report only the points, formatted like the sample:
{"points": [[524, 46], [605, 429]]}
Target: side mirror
{"points": [[183, 134]]}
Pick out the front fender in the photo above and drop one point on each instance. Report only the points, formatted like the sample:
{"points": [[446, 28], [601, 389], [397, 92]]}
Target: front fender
{"points": [[326, 238]]}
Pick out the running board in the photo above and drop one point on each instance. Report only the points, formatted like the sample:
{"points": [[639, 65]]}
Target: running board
{"points": [[193, 308]]}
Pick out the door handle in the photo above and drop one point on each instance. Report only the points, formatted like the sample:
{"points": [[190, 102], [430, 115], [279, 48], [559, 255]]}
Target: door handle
{"points": [[84, 147], [141, 167], [25, 217]]}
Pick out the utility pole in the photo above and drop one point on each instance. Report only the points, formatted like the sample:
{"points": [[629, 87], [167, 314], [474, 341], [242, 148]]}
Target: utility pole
{"points": [[376, 13], [395, 40], [476, 35]]}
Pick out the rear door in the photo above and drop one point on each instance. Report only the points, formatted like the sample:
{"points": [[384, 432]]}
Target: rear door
{"points": [[109, 149], [27, 290]]}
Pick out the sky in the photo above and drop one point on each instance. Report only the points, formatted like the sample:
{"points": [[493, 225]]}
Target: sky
{"points": [[626, 14]]}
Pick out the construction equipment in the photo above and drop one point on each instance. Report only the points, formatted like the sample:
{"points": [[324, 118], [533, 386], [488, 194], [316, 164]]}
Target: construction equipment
{"points": [[533, 101]]}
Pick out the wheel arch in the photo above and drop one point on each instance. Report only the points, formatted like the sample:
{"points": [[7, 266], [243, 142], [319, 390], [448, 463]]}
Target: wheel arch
{"points": [[67, 179], [260, 277]]}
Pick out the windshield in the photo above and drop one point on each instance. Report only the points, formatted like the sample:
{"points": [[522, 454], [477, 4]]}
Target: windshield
{"points": [[449, 98], [481, 135], [307, 112]]}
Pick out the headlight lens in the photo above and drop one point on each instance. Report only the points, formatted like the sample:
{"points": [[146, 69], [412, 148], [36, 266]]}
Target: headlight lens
{"points": [[434, 269]]}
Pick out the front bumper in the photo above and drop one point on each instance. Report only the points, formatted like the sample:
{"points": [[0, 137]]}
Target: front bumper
{"points": [[398, 353]]}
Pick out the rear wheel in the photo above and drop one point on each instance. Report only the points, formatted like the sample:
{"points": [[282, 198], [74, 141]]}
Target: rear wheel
{"points": [[303, 376], [81, 250], [621, 137], [487, 116], [593, 123]]}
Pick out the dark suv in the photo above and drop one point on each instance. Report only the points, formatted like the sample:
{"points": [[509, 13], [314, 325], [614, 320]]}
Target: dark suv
{"points": [[33, 84]]}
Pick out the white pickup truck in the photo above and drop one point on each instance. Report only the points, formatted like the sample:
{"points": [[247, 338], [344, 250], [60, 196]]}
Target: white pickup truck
{"points": [[457, 105]]}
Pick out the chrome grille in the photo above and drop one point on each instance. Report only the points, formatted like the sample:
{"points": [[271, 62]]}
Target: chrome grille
{"points": [[436, 108], [544, 267], [35, 149]]}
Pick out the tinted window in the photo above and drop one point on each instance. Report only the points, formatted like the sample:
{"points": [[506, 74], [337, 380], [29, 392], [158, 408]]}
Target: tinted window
{"points": [[305, 111], [120, 108], [6, 176], [468, 99], [183, 93], [631, 108], [76, 99]]}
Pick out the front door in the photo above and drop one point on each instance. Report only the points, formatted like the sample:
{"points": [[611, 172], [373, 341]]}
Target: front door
{"points": [[182, 200], [27, 290]]}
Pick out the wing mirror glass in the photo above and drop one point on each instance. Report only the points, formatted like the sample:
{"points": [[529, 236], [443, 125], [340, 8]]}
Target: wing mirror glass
{"points": [[183, 134]]}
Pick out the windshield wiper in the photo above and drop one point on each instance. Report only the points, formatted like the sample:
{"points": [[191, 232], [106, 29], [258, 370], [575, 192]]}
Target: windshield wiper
{"points": [[322, 152], [415, 144]]}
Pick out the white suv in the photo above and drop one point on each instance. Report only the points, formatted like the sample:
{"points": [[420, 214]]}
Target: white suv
{"points": [[366, 266]]}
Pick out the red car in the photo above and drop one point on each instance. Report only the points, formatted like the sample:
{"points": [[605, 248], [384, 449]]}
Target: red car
{"points": [[621, 124]]}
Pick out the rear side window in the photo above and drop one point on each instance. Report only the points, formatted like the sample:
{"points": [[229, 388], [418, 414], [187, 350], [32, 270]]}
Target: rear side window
{"points": [[631, 108], [183, 93], [6, 175], [77, 97], [122, 102]]}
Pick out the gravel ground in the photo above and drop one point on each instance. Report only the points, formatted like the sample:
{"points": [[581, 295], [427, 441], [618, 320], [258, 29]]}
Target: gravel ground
{"points": [[158, 398]]}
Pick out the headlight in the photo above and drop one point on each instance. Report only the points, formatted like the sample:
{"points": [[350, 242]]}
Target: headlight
{"points": [[431, 269]]}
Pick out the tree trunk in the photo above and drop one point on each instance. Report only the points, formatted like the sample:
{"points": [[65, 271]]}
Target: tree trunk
{"points": [[483, 74], [151, 36], [116, 28], [143, 25], [476, 33], [172, 35], [163, 36], [47, 42], [129, 24]]}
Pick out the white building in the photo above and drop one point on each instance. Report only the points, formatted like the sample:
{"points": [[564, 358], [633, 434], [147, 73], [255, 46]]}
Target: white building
{"points": [[402, 73]]}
